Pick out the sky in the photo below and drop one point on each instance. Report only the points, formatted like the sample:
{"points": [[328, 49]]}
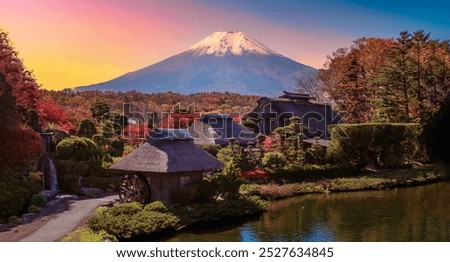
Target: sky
{"points": [[69, 43]]}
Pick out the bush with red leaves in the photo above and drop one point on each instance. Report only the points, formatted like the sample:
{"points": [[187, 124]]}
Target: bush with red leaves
{"points": [[19, 146], [255, 175]]}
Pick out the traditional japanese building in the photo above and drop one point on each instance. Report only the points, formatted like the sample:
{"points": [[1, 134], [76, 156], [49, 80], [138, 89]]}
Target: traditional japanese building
{"points": [[271, 113], [168, 161]]}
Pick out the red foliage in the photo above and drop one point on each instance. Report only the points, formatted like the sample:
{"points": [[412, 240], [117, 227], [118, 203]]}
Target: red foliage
{"points": [[179, 120], [69, 128], [237, 119], [136, 134], [268, 143], [258, 174], [50, 112], [19, 145], [22, 81]]}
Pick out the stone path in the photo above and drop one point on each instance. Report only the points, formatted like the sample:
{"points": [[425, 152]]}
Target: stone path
{"points": [[68, 220]]}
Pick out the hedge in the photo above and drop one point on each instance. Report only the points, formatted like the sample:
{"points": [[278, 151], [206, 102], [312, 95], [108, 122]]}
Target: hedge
{"points": [[314, 172], [385, 145]]}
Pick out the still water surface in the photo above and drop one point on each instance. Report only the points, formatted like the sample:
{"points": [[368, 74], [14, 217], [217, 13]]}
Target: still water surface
{"points": [[408, 214]]}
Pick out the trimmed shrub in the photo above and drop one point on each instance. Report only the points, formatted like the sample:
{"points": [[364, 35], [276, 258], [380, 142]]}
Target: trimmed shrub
{"points": [[80, 149], [117, 147], [38, 200], [33, 209], [228, 182], [86, 128], [314, 172], [77, 157], [159, 206], [126, 221], [375, 144], [273, 161]]}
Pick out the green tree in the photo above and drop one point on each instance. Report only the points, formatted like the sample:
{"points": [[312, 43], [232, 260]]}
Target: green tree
{"points": [[86, 128], [316, 154], [419, 43], [100, 111], [273, 161], [394, 84], [291, 144], [228, 182]]}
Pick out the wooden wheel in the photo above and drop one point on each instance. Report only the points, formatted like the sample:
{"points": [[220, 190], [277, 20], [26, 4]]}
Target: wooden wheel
{"points": [[134, 188]]}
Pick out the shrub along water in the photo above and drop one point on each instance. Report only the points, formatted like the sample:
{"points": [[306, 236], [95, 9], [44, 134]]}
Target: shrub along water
{"points": [[363, 181], [130, 220]]}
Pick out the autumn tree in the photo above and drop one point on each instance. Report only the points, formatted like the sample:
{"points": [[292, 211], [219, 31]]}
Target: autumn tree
{"points": [[19, 145], [22, 81], [387, 80]]}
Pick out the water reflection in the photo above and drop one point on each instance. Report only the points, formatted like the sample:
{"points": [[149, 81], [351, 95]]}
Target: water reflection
{"points": [[409, 214]]}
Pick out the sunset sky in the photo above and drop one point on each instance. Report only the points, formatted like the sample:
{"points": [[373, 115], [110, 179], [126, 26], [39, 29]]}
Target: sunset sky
{"points": [[68, 43]]}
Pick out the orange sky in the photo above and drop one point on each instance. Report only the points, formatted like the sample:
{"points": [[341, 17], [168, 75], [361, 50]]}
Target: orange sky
{"points": [[71, 43]]}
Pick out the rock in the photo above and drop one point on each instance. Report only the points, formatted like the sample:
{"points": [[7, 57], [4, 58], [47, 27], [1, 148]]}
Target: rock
{"points": [[28, 217], [48, 194], [66, 197], [108, 204], [54, 202]]}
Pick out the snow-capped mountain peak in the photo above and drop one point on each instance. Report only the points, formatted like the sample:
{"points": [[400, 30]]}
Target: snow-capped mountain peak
{"points": [[223, 61], [231, 42]]}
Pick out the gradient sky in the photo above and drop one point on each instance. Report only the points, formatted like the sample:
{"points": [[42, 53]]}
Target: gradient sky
{"points": [[68, 43]]}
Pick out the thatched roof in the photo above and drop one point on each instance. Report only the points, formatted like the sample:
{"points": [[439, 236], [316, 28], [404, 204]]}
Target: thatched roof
{"points": [[296, 96], [219, 129], [316, 116], [168, 151]]}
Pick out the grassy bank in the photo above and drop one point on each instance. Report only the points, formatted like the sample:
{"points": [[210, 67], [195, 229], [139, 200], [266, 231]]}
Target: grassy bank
{"points": [[366, 181]]}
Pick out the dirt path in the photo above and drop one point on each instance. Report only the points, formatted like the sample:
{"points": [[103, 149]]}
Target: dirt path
{"points": [[55, 222]]}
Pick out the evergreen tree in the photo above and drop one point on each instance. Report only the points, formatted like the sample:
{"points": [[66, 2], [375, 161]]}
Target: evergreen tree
{"points": [[86, 128], [100, 111], [291, 144], [419, 43]]}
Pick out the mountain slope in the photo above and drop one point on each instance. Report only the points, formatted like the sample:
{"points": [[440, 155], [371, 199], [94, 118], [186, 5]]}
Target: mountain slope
{"points": [[223, 61]]}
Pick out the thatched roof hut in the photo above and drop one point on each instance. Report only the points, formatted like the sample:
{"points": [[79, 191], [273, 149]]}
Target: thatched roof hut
{"points": [[168, 151], [169, 161]]}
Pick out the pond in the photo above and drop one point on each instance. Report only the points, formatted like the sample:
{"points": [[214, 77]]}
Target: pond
{"points": [[407, 214]]}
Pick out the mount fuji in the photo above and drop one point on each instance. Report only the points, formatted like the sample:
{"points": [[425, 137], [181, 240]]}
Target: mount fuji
{"points": [[223, 61]]}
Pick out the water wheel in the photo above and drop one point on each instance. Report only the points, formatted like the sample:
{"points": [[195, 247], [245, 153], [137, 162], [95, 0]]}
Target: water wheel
{"points": [[134, 188]]}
